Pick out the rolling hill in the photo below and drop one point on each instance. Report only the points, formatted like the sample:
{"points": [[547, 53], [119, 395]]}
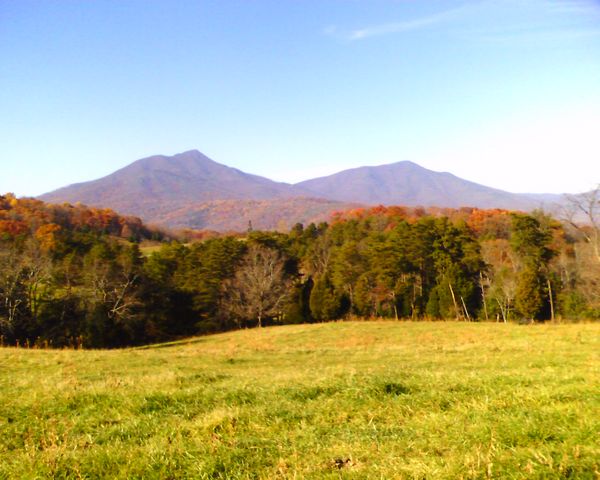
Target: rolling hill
{"points": [[332, 400], [189, 190]]}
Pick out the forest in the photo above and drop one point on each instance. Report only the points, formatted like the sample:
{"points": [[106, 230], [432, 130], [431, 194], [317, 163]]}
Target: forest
{"points": [[73, 276]]}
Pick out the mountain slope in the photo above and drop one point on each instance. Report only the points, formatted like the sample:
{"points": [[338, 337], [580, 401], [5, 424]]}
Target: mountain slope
{"points": [[157, 184], [406, 183], [189, 190], [235, 215]]}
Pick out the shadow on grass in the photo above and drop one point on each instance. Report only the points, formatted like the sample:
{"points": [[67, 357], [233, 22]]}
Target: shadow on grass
{"points": [[174, 343]]}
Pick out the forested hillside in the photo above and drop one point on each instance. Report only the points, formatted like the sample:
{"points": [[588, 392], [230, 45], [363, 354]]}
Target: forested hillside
{"points": [[70, 275], [27, 217], [235, 215]]}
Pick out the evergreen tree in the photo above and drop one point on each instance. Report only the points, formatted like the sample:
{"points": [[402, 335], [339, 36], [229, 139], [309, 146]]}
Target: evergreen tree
{"points": [[530, 240], [325, 303], [530, 294]]}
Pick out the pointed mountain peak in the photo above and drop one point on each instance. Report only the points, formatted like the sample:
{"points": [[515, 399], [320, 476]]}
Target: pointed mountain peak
{"points": [[161, 181]]}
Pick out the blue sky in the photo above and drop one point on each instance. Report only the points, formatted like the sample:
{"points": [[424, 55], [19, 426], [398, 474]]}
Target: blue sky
{"points": [[501, 92]]}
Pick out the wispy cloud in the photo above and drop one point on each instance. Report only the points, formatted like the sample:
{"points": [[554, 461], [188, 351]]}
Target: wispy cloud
{"points": [[394, 27], [586, 7], [559, 19], [397, 27], [562, 20]]}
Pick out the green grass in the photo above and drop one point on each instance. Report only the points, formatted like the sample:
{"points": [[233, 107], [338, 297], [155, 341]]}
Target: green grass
{"points": [[338, 400]]}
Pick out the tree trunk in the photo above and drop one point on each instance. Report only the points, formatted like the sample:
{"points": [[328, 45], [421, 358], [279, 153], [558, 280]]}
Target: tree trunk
{"points": [[395, 306], [454, 301], [487, 318], [502, 310], [551, 301], [465, 307]]}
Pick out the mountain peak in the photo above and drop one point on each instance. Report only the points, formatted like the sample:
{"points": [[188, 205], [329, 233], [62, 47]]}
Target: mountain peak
{"points": [[158, 182], [184, 158], [168, 189], [410, 184], [407, 163]]}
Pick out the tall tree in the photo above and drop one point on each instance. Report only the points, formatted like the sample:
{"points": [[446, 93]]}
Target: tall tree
{"points": [[208, 265], [530, 240], [325, 303], [500, 277], [260, 287], [583, 216], [530, 293], [13, 291], [588, 206]]}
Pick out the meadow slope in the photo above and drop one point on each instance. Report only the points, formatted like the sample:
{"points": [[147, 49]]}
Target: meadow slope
{"points": [[336, 400]]}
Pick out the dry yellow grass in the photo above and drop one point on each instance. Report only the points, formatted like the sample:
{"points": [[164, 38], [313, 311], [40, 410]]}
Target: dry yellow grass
{"points": [[350, 400]]}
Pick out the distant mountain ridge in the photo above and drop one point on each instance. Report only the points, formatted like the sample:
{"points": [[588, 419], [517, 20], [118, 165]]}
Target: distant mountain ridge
{"points": [[191, 190], [406, 183]]}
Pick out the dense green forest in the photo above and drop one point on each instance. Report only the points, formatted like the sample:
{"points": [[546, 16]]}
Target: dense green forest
{"points": [[76, 276]]}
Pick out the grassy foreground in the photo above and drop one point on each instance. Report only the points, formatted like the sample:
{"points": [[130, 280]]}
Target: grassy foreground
{"points": [[337, 400]]}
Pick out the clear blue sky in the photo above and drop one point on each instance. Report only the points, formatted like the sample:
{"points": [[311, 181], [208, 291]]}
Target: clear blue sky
{"points": [[501, 92]]}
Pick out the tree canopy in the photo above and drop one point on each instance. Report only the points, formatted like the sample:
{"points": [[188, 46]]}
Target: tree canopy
{"points": [[71, 275]]}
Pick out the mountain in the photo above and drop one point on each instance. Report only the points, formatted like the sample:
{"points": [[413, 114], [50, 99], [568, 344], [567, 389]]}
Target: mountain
{"points": [[406, 183], [152, 186], [189, 190]]}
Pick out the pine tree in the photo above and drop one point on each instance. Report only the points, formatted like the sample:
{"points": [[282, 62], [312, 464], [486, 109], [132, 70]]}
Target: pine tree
{"points": [[530, 295], [325, 303]]}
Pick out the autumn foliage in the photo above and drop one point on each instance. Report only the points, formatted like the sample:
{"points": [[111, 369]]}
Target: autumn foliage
{"points": [[73, 275], [28, 216]]}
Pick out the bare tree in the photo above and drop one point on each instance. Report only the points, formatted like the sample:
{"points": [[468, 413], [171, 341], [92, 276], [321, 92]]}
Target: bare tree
{"points": [[499, 283], [37, 271], [582, 214], [260, 287], [114, 286], [588, 274], [586, 205], [320, 255], [24, 276], [12, 288]]}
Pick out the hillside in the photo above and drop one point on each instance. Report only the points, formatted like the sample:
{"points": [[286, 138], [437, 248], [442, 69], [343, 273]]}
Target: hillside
{"points": [[406, 183], [338, 400], [27, 217], [152, 186], [189, 190], [236, 215]]}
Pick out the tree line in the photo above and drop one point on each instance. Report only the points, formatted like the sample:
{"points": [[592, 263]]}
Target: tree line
{"points": [[70, 275]]}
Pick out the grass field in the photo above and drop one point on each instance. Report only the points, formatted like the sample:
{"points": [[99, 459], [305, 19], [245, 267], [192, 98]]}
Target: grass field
{"points": [[338, 400]]}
